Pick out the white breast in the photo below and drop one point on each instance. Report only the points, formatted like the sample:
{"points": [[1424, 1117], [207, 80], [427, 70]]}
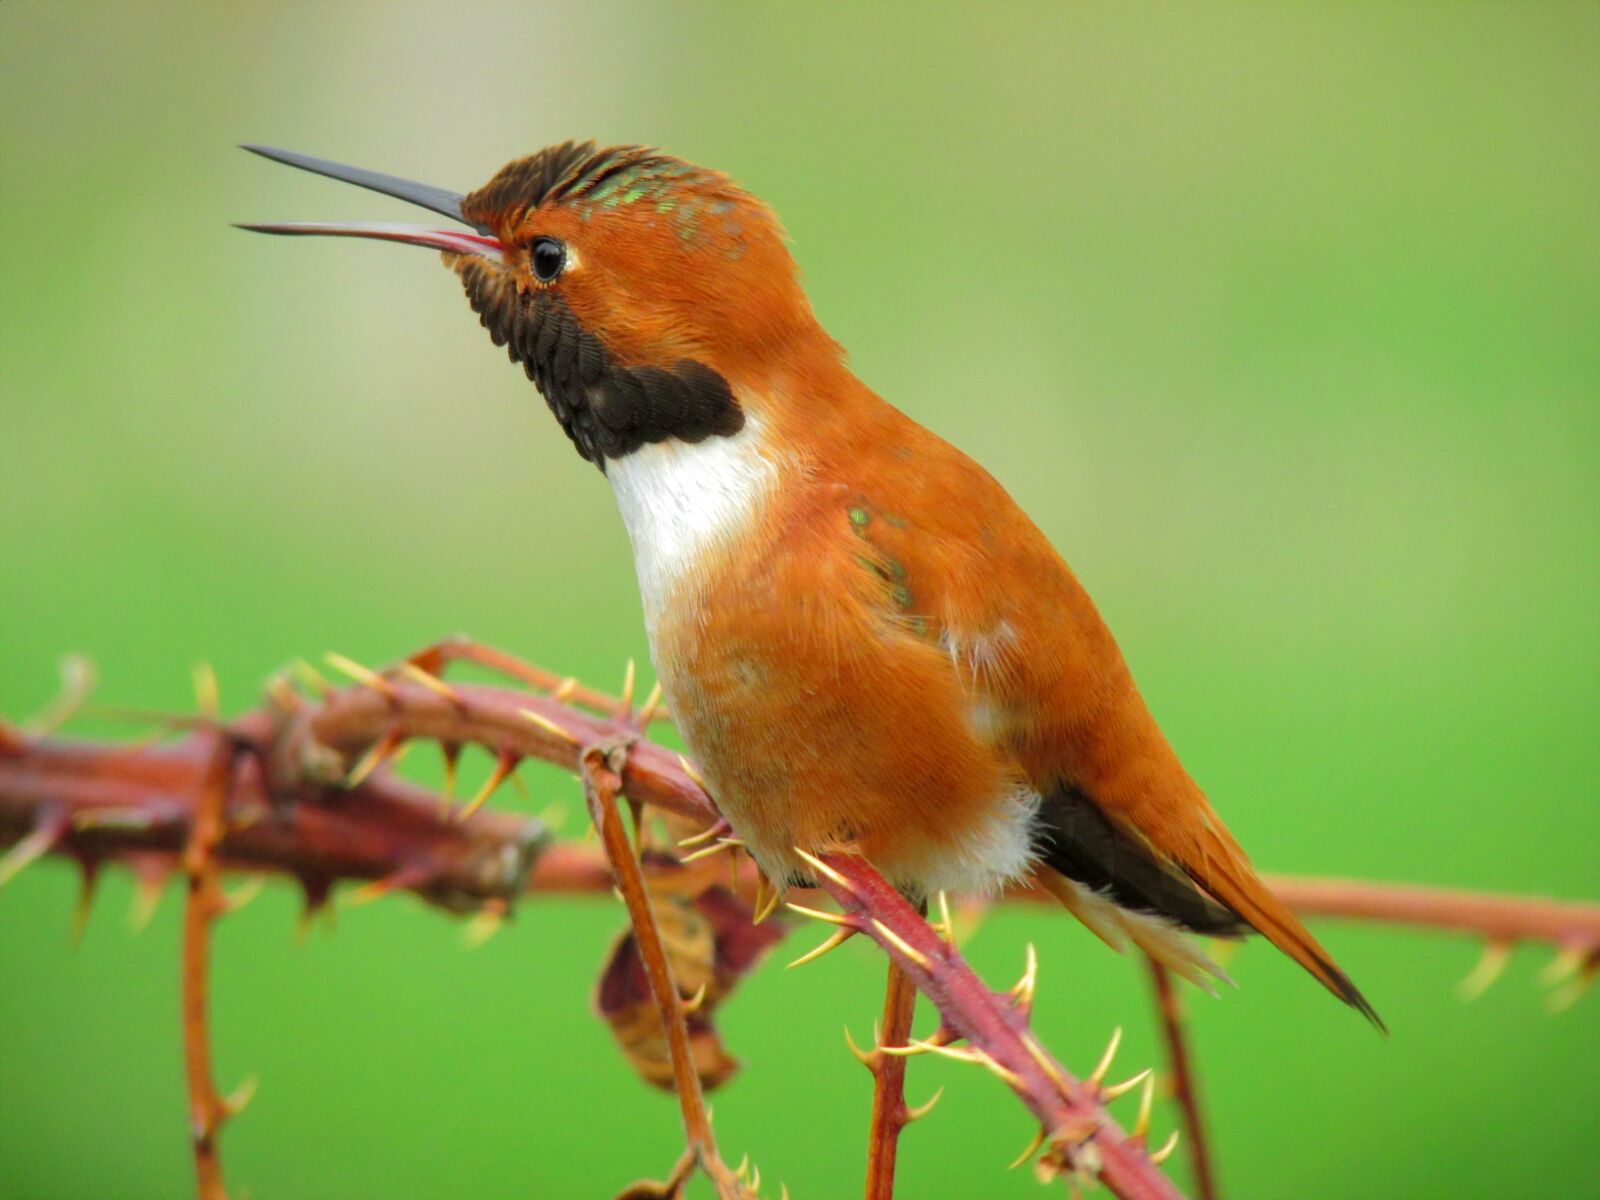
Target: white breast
{"points": [[681, 502]]}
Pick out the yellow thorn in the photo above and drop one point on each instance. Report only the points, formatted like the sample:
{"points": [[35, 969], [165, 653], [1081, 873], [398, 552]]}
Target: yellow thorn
{"points": [[362, 675], [1167, 1147], [693, 772], [705, 835], [707, 852], [244, 893], [374, 758], [945, 922], [1147, 1099], [503, 766], [239, 1099], [625, 701], [900, 944], [1571, 992], [563, 690], [1023, 991], [145, 899], [207, 695], [1563, 966], [915, 1047], [744, 1166], [817, 914], [312, 678], [647, 712], [484, 924], [823, 868], [922, 1110], [1028, 1150], [1043, 1059], [867, 1060], [1104, 1065], [549, 726], [693, 1003], [1007, 1076], [755, 1180], [835, 939], [34, 846], [430, 681], [1127, 1085], [765, 911], [1489, 968], [283, 695], [784, 1194]]}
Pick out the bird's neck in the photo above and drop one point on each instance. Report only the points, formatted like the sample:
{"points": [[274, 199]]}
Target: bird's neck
{"points": [[686, 505]]}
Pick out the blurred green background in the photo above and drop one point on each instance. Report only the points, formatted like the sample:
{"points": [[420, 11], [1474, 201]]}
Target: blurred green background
{"points": [[1283, 322]]}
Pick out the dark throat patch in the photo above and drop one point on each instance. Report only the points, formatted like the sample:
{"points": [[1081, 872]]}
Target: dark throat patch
{"points": [[608, 410]]}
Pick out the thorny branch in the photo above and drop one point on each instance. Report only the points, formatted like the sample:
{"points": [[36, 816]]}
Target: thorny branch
{"points": [[207, 1110], [306, 791], [601, 784], [1169, 1009]]}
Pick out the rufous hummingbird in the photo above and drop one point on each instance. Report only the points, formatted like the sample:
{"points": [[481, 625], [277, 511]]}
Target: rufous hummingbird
{"points": [[865, 642]]}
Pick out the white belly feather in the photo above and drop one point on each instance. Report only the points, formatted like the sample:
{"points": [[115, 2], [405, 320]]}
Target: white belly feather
{"points": [[680, 501]]}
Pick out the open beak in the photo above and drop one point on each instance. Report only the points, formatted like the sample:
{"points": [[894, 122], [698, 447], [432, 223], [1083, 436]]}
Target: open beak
{"points": [[481, 241]]}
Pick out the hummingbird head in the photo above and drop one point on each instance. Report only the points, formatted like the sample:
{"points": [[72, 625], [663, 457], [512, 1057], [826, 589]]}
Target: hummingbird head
{"points": [[642, 294]]}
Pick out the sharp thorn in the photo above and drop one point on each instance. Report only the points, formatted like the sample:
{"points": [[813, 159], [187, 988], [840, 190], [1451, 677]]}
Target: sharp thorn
{"points": [[707, 852], [1127, 1085], [379, 753], [503, 766], [647, 711], [693, 772], [835, 939], [1045, 1064], [365, 676], [432, 682], [755, 1180], [922, 1110], [625, 700], [1563, 966], [945, 920], [715, 829], [774, 895], [84, 904], [693, 1003], [823, 868], [1489, 968], [869, 1060], [239, 1099], [451, 753], [282, 694], [1099, 1074], [1569, 993], [1147, 1099], [312, 678], [485, 923], [743, 1168], [207, 695], [1028, 1151], [563, 690], [147, 895], [816, 914], [1024, 989], [1167, 1147], [244, 893], [35, 846], [900, 944], [549, 726]]}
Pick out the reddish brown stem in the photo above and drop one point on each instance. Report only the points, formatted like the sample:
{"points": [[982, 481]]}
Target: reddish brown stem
{"points": [[601, 773], [1080, 1129], [1169, 1006], [207, 1111], [889, 1113]]}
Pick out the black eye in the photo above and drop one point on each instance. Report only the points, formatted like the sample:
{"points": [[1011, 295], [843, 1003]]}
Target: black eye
{"points": [[548, 257]]}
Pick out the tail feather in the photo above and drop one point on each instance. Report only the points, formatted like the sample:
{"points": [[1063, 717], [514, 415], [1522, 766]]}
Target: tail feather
{"points": [[1223, 870]]}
